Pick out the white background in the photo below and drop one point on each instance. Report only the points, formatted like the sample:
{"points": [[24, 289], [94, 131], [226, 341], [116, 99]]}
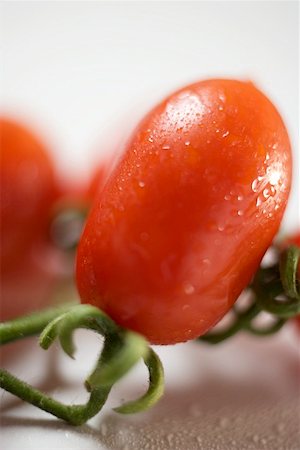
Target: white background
{"points": [[82, 74]]}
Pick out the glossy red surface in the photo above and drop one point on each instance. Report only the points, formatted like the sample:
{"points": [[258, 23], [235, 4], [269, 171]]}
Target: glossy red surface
{"points": [[27, 189], [188, 212]]}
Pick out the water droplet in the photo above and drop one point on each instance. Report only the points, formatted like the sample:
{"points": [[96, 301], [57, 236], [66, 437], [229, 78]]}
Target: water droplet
{"points": [[224, 422], [206, 261], [254, 185], [120, 188], [170, 438], [240, 212], [280, 428], [226, 133], [189, 289], [221, 108], [166, 147], [240, 198], [141, 184], [185, 307], [187, 143], [221, 227], [138, 165], [150, 139], [227, 197], [199, 439], [274, 146], [266, 193], [258, 201]]}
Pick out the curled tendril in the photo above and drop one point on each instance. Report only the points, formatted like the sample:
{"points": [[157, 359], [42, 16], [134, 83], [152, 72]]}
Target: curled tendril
{"points": [[275, 290], [122, 349]]}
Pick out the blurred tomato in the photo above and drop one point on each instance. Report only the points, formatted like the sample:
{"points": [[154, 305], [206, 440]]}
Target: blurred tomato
{"points": [[28, 188]]}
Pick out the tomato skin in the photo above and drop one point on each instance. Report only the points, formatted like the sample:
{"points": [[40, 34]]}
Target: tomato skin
{"points": [[188, 212], [27, 189]]}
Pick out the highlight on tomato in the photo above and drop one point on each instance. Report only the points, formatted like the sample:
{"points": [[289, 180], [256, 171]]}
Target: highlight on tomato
{"points": [[188, 212]]}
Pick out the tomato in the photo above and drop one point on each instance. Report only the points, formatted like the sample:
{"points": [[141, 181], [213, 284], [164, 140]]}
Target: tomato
{"points": [[188, 211], [28, 187]]}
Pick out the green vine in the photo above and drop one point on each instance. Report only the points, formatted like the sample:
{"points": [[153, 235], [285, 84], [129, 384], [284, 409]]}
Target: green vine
{"points": [[274, 290], [121, 351]]}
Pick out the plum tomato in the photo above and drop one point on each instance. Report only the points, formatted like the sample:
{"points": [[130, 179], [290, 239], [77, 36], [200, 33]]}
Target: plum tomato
{"points": [[27, 188], [188, 211]]}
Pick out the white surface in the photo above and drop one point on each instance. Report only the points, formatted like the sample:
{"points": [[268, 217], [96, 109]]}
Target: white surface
{"points": [[243, 394], [83, 73]]}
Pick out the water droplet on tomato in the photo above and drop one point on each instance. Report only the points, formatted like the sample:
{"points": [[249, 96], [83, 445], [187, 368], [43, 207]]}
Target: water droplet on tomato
{"points": [[141, 184], [189, 289], [258, 201], [166, 147]]}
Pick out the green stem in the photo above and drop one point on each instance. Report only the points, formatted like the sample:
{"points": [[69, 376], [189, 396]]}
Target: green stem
{"points": [[30, 325], [267, 331], [288, 271], [241, 323], [74, 414], [122, 349]]}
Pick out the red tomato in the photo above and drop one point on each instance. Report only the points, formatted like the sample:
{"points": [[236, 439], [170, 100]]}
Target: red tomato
{"points": [[28, 187], [188, 212]]}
